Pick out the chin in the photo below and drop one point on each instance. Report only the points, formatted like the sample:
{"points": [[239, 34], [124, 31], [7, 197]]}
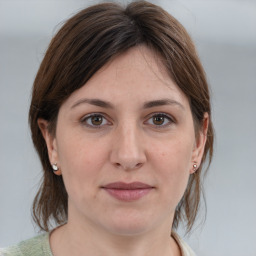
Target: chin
{"points": [[127, 225]]}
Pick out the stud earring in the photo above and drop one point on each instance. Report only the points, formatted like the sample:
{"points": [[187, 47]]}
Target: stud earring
{"points": [[194, 167], [55, 167]]}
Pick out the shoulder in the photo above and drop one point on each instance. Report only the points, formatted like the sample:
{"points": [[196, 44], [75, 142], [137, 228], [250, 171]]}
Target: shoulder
{"points": [[185, 249], [36, 246]]}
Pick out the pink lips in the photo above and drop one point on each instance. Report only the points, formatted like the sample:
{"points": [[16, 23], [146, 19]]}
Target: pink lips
{"points": [[127, 191]]}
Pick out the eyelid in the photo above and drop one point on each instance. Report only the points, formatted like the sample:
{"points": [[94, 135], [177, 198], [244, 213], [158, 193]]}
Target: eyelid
{"points": [[86, 117], [165, 115], [103, 115]]}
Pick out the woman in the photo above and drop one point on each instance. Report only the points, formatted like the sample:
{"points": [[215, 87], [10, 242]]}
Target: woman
{"points": [[121, 119]]}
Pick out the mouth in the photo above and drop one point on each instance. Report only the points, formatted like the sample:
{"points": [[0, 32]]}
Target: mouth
{"points": [[127, 191]]}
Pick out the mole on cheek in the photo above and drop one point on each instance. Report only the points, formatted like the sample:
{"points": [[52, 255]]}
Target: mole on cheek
{"points": [[163, 154]]}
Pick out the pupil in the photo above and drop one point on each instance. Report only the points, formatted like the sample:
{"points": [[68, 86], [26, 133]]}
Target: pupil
{"points": [[158, 120], [97, 120]]}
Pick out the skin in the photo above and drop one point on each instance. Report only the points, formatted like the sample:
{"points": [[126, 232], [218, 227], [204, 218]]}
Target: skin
{"points": [[130, 142]]}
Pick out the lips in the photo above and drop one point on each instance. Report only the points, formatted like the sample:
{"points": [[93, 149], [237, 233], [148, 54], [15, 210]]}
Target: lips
{"points": [[128, 186], [127, 191]]}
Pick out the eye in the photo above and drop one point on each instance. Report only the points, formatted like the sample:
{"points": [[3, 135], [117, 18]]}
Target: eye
{"points": [[95, 120], [160, 119]]}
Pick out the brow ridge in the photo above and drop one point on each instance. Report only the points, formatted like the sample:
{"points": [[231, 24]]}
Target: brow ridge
{"points": [[95, 102], [162, 102], [149, 104]]}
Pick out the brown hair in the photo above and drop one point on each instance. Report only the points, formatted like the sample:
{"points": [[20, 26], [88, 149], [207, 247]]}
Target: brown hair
{"points": [[84, 44]]}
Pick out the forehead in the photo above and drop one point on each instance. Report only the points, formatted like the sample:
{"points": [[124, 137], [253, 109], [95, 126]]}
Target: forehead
{"points": [[140, 61], [136, 75]]}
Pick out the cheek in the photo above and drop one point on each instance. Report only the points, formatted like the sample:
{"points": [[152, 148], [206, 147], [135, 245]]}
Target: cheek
{"points": [[174, 169], [172, 163], [81, 162], [174, 156], [79, 153]]}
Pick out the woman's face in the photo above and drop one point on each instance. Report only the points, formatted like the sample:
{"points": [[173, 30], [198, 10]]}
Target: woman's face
{"points": [[125, 144]]}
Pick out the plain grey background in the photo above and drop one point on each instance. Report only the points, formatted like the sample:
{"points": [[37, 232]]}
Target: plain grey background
{"points": [[225, 36]]}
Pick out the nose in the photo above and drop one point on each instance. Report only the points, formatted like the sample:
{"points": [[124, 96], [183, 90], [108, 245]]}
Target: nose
{"points": [[128, 151]]}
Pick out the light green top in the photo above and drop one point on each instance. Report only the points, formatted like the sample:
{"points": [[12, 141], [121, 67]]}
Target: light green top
{"points": [[36, 246], [40, 246]]}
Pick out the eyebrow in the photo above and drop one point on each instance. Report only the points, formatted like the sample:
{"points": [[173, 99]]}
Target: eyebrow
{"points": [[163, 102], [149, 104], [95, 102]]}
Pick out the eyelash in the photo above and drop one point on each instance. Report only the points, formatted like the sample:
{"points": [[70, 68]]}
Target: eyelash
{"points": [[167, 117], [90, 116]]}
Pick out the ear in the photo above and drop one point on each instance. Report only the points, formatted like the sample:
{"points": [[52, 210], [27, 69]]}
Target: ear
{"points": [[50, 141], [199, 146]]}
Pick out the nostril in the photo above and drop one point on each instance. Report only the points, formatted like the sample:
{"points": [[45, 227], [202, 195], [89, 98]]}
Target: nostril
{"points": [[128, 166], [138, 165]]}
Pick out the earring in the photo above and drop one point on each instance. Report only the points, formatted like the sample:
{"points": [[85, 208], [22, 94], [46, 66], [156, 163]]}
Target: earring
{"points": [[55, 167], [194, 167]]}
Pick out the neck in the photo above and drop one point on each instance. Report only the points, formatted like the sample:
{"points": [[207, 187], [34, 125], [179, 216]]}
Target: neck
{"points": [[75, 240], [86, 238]]}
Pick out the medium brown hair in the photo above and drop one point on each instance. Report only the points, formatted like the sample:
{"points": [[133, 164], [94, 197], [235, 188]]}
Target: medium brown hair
{"points": [[84, 44]]}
